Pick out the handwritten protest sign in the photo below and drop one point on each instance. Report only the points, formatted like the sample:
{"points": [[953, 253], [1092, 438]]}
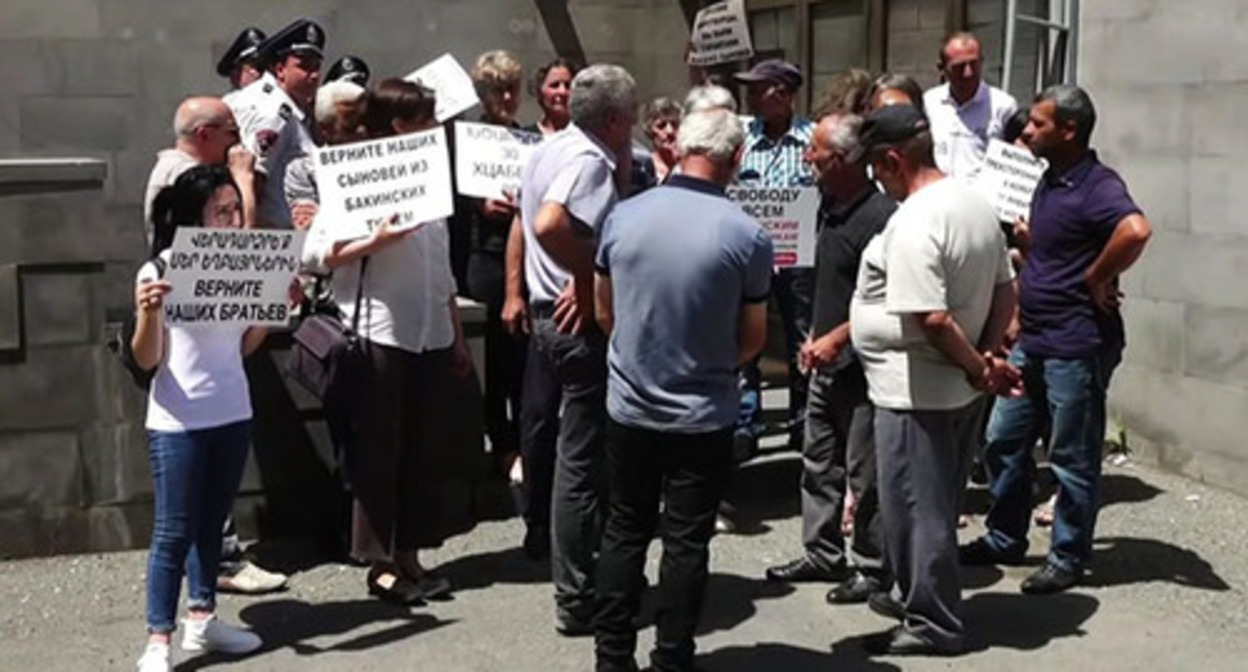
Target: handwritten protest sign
{"points": [[1009, 178], [720, 34], [451, 85], [231, 276], [489, 159], [364, 183], [789, 215]]}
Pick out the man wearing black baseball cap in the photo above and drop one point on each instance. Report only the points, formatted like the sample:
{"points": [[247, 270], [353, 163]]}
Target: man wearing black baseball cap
{"points": [[241, 63], [935, 293], [272, 112], [776, 139]]}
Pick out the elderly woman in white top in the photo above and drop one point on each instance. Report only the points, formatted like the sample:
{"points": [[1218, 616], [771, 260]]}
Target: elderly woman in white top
{"points": [[416, 451]]}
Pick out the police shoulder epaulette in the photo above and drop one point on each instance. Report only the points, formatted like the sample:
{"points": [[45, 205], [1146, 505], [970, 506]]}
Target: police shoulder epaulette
{"points": [[284, 111]]}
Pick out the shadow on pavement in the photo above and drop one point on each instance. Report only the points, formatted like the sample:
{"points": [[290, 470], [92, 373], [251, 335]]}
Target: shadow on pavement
{"points": [[766, 490], [1121, 561], [845, 655], [730, 600], [975, 578], [291, 623], [1115, 489], [1024, 622], [486, 569]]}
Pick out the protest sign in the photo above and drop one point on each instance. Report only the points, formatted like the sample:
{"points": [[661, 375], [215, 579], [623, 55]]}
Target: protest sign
{"points": [[452, 87], [231, 276], [363, 183], [789, 215], [1009, 178], [720, 34], [489, 159]]}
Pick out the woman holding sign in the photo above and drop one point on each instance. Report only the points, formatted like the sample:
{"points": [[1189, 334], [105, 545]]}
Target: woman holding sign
{"points": [[417, 449], [198, 426]]}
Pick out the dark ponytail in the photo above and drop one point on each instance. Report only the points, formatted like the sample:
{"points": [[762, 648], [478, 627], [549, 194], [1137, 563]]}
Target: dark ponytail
{"points": [[182, 203]]}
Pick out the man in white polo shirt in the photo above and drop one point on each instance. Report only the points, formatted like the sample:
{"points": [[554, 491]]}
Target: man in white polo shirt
{"points": [[965, 112]]}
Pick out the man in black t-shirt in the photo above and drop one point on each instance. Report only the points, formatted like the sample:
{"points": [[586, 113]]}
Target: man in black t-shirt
{"points": [[838, 436]]}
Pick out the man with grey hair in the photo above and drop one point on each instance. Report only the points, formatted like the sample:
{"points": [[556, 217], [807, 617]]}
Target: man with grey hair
{"points": [[934, 296], [705, 97], [682, 282], [839, 442], [568, 186]]}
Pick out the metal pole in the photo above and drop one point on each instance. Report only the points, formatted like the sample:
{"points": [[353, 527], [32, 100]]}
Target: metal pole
{"points": [[1072, 41], [1007, 63]]}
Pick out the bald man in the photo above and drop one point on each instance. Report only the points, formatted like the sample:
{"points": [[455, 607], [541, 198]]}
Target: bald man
{"points": [[204, 133]]}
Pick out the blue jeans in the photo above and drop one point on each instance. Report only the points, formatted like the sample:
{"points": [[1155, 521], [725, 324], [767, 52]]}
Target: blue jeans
{"points": [[1068, 394], [197, 475], [794, 291]]}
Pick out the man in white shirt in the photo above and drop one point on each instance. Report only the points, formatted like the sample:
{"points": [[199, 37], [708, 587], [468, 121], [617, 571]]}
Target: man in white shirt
{"points": [[272, 113], [934, 295], [965, 112]]}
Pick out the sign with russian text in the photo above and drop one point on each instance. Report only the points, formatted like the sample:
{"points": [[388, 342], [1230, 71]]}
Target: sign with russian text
{"points": [[364, 183], [231, 276], [721, 34], [489, 159], [788, 214], [452, 87], [1009, 178]]}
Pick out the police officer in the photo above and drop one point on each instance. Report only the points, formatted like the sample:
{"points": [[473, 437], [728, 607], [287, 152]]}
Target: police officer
{"points": [[272, 113], [241, 63], [348, 68]]}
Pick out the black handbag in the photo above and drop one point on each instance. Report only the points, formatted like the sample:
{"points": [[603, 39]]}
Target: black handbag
{"points": [[326, 355]]}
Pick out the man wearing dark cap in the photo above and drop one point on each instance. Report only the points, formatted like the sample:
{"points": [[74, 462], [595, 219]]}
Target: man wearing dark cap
{"points": [[775, 142], [349, 69], [272, 113], [241, 63], [934, 296]]}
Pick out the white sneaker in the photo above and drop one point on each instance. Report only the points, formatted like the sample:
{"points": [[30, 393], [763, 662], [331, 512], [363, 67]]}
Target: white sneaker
{"points": [[251, 580], [155, 658], [210, 634]]}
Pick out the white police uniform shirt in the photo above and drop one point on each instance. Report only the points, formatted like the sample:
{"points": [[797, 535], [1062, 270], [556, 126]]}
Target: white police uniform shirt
{"points": [[960, 133], [272, 127]]}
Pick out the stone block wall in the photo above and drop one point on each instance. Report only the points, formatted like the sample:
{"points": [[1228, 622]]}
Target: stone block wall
{"points": [[1167, 123]]}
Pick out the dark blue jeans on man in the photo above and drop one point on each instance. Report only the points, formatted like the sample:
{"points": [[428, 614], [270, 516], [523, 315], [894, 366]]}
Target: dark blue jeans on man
{"points": [[1069, 394], [794, 289], [578, 501], [196, 476]]}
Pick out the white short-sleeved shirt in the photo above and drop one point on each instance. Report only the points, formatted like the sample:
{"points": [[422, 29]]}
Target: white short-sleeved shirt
{"points": [[271, 126], [200, 382], [575, 170], [407, 287], [941, 251], [960, 133]]}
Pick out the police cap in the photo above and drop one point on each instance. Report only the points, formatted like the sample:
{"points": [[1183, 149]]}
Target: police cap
{"points": [[246, 46], [349, 68], [303, 37]]}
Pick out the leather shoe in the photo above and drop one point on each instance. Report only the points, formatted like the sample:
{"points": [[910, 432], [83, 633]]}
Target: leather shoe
{"points": [[403, 591], [1050, 579], [804, 569], [854, 590], [885, 605], [979, 553], [898, 641]]}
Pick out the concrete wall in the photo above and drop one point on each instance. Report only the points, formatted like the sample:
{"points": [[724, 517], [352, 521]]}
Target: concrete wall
{"points": [[100, 79], [1169, 90]]}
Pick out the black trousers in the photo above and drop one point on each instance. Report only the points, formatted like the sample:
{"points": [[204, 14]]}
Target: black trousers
{"points": [[504, 355], [687, 474]]}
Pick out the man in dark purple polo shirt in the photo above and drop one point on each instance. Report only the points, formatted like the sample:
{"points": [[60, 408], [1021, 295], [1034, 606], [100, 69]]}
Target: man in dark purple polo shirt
{"points": [[1085, 231]]}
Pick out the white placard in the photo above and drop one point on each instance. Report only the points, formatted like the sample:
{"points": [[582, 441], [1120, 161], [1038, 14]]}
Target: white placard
{"points": [[721, 34], [789, 215], [363, 183], [489, 159], [451, 85], [231, 276], [1009, 178]]}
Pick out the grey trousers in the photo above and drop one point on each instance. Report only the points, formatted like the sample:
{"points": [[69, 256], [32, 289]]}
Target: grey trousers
{"points": [[839, 450], [578, 500], [922, 461]]}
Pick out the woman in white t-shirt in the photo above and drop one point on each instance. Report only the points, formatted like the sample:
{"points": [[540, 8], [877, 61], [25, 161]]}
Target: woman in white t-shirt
{"points": [[417, 448], [198, 426]]}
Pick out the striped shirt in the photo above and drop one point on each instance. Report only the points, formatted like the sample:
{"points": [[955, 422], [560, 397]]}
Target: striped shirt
{"points": [[776, 163]]}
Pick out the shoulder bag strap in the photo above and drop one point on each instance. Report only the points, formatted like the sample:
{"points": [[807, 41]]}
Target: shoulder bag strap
{"points": [[359, 295]]}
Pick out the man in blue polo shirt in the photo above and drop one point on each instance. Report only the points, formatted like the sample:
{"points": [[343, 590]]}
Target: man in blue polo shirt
{"points": [[682, 278], [1085, 232]]}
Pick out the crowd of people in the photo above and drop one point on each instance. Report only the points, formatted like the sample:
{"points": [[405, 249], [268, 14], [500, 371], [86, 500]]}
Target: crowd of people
{"points": [[626, 305]]}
